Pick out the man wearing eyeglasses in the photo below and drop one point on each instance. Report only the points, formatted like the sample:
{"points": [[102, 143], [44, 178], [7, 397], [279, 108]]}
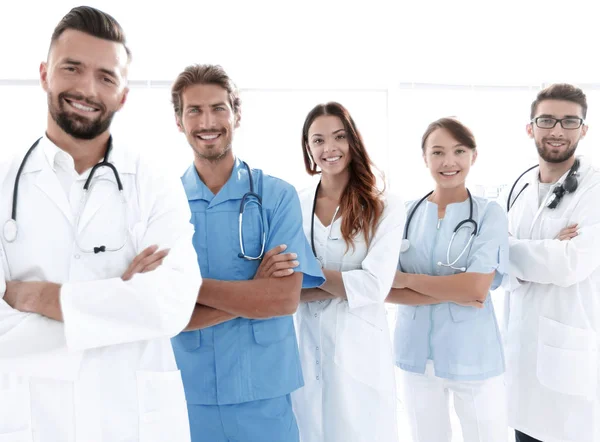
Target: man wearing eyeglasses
{"points": [[554, 315]]}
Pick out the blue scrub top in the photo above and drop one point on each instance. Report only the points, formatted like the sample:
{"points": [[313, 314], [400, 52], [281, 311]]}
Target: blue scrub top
{"points": [[464, 343], [243, 359]]}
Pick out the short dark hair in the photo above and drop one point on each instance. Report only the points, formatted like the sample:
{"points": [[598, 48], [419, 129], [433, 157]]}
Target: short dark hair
{"points": [[93, 22], [459, 132], [204, 74], [561, 91]]}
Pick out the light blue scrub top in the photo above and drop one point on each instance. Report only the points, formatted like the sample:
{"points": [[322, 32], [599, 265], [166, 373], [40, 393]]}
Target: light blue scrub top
{"points": [[243, 359], [464, 343]]}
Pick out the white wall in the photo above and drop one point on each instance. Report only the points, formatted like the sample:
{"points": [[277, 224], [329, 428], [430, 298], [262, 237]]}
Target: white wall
{"points": [[396, 65]]}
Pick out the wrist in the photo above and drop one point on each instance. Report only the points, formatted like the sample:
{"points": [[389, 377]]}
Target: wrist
{"points": [[407, 280], [48, 295], [402, 280], [30, 299]]}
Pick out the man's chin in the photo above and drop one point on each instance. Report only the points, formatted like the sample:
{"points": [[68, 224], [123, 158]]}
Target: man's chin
{"points": [[556, 159], [212, 155], [82, 121]]}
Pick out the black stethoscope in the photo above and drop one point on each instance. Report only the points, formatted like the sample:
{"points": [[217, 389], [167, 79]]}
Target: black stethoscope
{"points": [[568, 186], [312, 226], [406, 243], [11, 229], [243, 205]]}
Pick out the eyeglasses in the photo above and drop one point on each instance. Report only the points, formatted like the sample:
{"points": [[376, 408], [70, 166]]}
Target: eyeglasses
{"points": [[566, 123]]}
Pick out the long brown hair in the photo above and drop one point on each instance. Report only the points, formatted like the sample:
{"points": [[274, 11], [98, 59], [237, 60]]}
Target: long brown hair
{"points": [[361, 204]]}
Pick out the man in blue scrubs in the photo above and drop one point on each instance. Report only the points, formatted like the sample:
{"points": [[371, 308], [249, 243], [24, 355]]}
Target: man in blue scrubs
{"points": [[239, 356]]}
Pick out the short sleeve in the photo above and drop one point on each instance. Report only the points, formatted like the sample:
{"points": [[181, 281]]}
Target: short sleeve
{"points": [[489, 251], [286, 228]]}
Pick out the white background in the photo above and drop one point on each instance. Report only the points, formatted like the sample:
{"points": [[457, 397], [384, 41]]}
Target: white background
{"points": [[395, 65]]}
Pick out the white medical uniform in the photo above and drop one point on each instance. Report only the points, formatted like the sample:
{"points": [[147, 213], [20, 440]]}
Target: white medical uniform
{"points": [[345, 345], [554, 317], [107, 373]]}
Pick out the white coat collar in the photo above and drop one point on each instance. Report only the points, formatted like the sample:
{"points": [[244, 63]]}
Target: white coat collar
{"points": [[534, 175], [47, 181], [124, 161]]}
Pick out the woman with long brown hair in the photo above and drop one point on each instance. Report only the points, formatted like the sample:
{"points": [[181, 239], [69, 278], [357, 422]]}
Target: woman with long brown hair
{"points": [[355, 232]]}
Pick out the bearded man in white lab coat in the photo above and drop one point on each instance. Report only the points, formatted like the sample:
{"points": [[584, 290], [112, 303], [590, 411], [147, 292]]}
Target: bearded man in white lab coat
{"points": [[85, 354], [554, 315]]}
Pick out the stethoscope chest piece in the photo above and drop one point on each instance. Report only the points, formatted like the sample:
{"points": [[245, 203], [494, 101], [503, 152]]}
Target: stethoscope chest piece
{"points": [[10, 230], [404, 246]]}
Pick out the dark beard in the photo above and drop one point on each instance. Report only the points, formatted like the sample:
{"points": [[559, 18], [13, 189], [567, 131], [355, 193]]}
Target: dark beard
{"points": [[77, 126], [556, 159]]}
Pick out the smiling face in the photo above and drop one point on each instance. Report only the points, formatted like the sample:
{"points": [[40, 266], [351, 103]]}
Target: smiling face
{"points": [[328, 145], [85, 80], [448, 160], [208, 121], [557, 144]]}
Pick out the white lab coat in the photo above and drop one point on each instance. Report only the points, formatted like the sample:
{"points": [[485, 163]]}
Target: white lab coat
{"points": [[554, 316], [108, 373], [345, 346]]}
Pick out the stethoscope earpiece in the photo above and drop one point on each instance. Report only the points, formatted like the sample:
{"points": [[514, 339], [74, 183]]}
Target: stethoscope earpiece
{"points": [[462, 269]]}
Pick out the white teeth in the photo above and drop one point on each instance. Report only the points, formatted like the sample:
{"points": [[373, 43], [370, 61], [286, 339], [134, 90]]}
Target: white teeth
{"points": [[556, 144], [331, 160], [209, 137], [82, 107], [449, 173]]}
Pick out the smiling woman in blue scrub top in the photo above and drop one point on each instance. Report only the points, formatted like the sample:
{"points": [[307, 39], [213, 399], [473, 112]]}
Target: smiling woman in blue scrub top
{"points": [[239, 356], [447, 338], [345, 346]]}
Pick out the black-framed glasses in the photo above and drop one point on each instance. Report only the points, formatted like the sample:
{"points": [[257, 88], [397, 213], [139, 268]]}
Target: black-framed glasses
{"points": [[569, 123]]}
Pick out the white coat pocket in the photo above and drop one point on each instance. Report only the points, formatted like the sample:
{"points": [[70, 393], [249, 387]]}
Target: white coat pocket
{"points": [[567, 358], [362, 345], [162, 407], [15, 409]]}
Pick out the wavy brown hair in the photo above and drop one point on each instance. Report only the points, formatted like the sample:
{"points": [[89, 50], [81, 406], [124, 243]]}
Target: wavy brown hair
{"points": [[361, 204]]}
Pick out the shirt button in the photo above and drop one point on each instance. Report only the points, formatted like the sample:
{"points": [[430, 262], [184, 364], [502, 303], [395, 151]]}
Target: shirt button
{"points": [[317, 362], [317, 378], [317, 348], [316, 314], [77, 256]]}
